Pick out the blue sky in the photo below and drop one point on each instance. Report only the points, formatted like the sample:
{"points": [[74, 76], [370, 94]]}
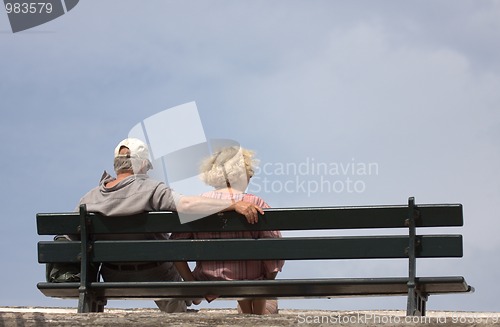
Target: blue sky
{"points": [[411, 86]]}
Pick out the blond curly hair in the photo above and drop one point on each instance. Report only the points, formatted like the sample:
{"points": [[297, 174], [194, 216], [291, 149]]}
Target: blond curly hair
{"points": [[231, 164]]}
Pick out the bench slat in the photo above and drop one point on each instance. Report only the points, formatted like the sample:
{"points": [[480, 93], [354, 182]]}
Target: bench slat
{"points": [[357, 247], [274, 219], [330, 287], [49, 252]]}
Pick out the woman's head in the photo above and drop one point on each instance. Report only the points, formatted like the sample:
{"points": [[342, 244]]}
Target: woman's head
{"points": [[230, 166]]}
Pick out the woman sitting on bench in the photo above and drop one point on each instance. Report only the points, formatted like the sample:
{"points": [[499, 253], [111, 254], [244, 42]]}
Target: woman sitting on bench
{"points": [[229, 172]]}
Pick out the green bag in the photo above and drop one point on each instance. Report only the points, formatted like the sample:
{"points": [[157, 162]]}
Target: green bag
{"points": [[62, 272]]}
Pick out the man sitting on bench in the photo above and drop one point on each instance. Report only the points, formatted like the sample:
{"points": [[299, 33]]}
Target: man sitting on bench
{"points": [[132, 192]]}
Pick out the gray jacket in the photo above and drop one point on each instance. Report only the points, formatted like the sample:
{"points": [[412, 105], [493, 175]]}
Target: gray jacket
{"points": [[134, 194]]}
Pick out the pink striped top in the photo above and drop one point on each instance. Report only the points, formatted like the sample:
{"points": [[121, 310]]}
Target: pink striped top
{"points": [[234, 270]]}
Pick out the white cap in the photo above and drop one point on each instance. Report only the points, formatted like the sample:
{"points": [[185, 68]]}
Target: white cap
{"points": [[138, 149]]}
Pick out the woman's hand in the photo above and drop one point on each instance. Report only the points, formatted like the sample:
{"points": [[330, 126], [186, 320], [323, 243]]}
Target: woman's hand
{"points": [[249, 210]]}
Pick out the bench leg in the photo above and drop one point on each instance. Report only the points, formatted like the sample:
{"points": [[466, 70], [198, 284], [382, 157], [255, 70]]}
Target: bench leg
{"points": [[83, 303], [88, 302], [416, 303]]}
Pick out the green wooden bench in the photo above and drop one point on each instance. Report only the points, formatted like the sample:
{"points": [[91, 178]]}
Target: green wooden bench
{"points": [[93, 295]]}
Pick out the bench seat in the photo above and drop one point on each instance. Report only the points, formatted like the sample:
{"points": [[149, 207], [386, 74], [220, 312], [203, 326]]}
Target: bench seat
{"points": [[293, 288]]}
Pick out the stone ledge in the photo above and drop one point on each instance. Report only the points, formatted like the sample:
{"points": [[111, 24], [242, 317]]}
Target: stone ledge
{"points": [[26, 316]]}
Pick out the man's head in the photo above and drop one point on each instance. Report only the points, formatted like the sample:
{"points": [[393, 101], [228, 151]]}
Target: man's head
{"points": [[132, 155]]}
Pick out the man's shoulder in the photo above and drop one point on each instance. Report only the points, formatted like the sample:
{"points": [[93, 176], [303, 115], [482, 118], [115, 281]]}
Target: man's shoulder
{"points": [[144, 182], [144, 179], [90, 197]]}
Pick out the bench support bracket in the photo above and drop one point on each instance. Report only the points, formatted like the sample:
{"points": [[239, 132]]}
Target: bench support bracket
{"points": [[87, 300], [416, 300]]}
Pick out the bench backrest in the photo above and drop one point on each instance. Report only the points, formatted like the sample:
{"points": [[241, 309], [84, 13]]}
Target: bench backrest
{"points": [[288, 248]]}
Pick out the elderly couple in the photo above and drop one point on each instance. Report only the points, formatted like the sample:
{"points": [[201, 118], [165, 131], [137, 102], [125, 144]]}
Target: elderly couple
{"points": [[131, 192]]}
